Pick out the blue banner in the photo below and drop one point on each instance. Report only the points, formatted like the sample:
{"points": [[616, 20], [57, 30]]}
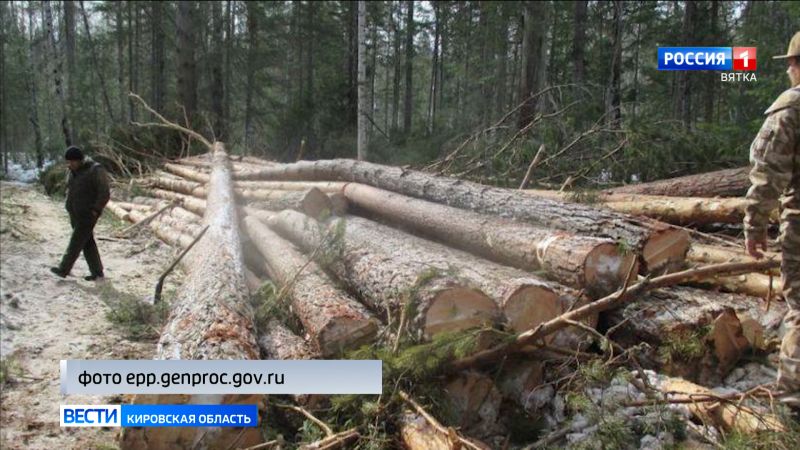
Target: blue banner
{"points": [[695, 58], [189, 415]]}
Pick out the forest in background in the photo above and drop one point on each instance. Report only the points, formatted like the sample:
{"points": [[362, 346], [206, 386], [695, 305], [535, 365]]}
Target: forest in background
{"points": [[468, 88]]}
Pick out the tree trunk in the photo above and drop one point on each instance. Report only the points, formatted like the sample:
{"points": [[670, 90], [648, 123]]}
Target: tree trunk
{"points": [[132, 62], [33, 114], [720, 183], [187, 172], [613, 89], [187, 66], [578, 261], [712, 254], [96, 64], [684, 97], [395, 28], [157, 57], [334, 320], [363, 107], [709, 96], [211, 318], [502, 64], [217, 93], [70, 76], [226, 91], [676, 210], [388, 279], [533, 49], [57, 79], [525, 299], [408, 106], [314, 203], [252, 52], [433, 90], [660, 245], [328, 187], [579, 42], [120, 61]]}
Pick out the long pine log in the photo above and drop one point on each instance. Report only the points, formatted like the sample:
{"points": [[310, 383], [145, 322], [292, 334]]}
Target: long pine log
{"points": [[210, 318], [597, 265], [335, 321], [660, 245]]}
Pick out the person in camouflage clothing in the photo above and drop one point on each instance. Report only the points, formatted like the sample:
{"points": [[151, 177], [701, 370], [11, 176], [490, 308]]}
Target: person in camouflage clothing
{"points": [[775, 160], [87, 194]]}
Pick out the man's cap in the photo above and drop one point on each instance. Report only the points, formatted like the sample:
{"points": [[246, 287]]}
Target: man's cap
{"points": [[794, 48], [73, 154]]}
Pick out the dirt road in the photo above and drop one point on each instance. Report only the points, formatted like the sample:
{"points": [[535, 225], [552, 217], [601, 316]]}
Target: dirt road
{"points": [[44, 319]]}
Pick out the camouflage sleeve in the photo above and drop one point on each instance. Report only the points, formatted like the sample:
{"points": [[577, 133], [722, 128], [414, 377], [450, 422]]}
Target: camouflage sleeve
{"points": [[772, 157]]}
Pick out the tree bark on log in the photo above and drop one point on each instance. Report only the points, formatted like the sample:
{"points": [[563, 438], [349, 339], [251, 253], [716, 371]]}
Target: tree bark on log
{"points": [[594, 264], [210, 318], [755, 284], [181, 186], [388, 278], [313, 201], [187, 172], [660, 245], [721, 183], [334, 320], [135, 205], [681, 320], [193, 204], [675, 210], [327, 187], [714, 254], [524, 299], [119, 211], [162, 230], [279, 342]]}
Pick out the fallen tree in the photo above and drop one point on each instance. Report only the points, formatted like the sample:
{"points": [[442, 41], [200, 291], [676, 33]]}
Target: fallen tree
{"points": [[659, 244], [675, 210], [594, 264], [210, 318], [524, 299], [391, 280], [619, 298], [333, 319], [721, 183]]}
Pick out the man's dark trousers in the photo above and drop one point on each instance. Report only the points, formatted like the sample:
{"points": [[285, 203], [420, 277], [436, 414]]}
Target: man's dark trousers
{"points": [[82, 240]]}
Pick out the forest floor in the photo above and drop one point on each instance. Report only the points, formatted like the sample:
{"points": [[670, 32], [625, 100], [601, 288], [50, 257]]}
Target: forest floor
{"points": [[45, 319]]}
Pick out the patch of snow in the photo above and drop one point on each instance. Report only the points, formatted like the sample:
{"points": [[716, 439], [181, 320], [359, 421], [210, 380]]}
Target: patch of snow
{"points": [[25, 172]]}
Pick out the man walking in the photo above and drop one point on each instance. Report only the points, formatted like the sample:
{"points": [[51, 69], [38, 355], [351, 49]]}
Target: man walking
{"points": [[775, 157], [87, 195]]}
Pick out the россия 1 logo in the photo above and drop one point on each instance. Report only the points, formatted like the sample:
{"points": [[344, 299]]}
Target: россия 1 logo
{"points": [[741, 60]]}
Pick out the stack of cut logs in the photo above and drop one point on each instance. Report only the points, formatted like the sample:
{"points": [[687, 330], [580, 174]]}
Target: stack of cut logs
{"points": [[358, 248]]}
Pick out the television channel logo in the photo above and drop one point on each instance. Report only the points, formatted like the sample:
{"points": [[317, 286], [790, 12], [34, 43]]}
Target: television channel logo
{"points": [[707, 58]]}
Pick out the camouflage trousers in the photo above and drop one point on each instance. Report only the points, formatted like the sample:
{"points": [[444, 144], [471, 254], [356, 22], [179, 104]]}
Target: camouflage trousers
{"points": [[789, 368]]}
